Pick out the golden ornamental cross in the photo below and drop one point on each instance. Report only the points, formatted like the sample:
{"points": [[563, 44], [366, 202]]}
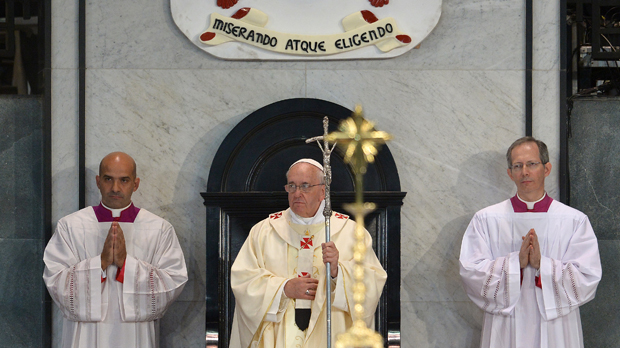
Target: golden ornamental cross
{"points": [[361, 142], [359, 139]]}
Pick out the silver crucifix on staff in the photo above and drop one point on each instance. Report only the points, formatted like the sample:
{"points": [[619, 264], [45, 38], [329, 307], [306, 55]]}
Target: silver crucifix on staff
{"points": [[327, 212], [360, 142]]}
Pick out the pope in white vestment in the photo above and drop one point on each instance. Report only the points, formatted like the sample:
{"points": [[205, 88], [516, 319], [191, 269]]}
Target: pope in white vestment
{"points": [[118, 307], [268, 259], [264, 316], [535, 304]]}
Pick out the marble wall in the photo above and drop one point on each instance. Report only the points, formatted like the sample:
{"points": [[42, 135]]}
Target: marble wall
{"points": [[453, 106], [594, 186], [22, 234]]}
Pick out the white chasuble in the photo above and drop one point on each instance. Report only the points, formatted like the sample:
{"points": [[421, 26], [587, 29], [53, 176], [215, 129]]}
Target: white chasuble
{"points": [[518, 312], [123, 309], [269, 257]]}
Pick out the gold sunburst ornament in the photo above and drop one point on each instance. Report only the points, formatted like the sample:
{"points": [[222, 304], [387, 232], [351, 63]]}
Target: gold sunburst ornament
{"points": [[359, 139], [361, 142]]}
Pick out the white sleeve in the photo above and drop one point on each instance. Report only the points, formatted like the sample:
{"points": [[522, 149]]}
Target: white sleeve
{"points": [[339, 299], [570, 282], [278, 306], [74, 284], [148, 289], [492, 283]]}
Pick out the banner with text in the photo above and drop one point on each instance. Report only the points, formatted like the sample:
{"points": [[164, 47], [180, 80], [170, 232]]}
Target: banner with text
{"points": [[361, 29]]}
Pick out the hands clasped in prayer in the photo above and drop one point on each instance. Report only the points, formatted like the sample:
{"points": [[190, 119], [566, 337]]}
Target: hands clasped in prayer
{"points": [[114, 251], [305, 287], [530, 250]]}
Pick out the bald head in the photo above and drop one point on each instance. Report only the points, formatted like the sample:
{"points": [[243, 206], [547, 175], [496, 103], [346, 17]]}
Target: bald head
{"points": [[118, 158], [117, 180]]}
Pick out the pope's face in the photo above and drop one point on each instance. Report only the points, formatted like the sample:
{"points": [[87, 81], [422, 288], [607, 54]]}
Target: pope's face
{"points": [[530, 181], [305, 204], [117, 182]]}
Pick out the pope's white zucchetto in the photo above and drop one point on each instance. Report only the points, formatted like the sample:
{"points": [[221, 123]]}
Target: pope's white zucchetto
{"points": [[309, 161]]}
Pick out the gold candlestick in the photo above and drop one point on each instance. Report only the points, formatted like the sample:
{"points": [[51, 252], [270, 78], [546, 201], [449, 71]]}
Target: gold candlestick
{"points": [[361, 142]]}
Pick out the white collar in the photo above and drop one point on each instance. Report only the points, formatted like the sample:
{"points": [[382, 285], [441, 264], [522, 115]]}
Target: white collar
{"points": [[317, 218], [530, 205], [116, 212]]}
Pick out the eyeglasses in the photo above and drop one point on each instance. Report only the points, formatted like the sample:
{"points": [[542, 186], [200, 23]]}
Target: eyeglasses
{"points": [[517, 167], [305, 188]]}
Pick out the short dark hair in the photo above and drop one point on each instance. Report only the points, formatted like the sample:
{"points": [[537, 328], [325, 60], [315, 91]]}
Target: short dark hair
{"points": [[542, 149]]}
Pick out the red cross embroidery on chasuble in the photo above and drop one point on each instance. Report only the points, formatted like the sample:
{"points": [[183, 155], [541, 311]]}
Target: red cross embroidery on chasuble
{"points": [[340, 216], [303, 274], [275, 216], [306, 243]]}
